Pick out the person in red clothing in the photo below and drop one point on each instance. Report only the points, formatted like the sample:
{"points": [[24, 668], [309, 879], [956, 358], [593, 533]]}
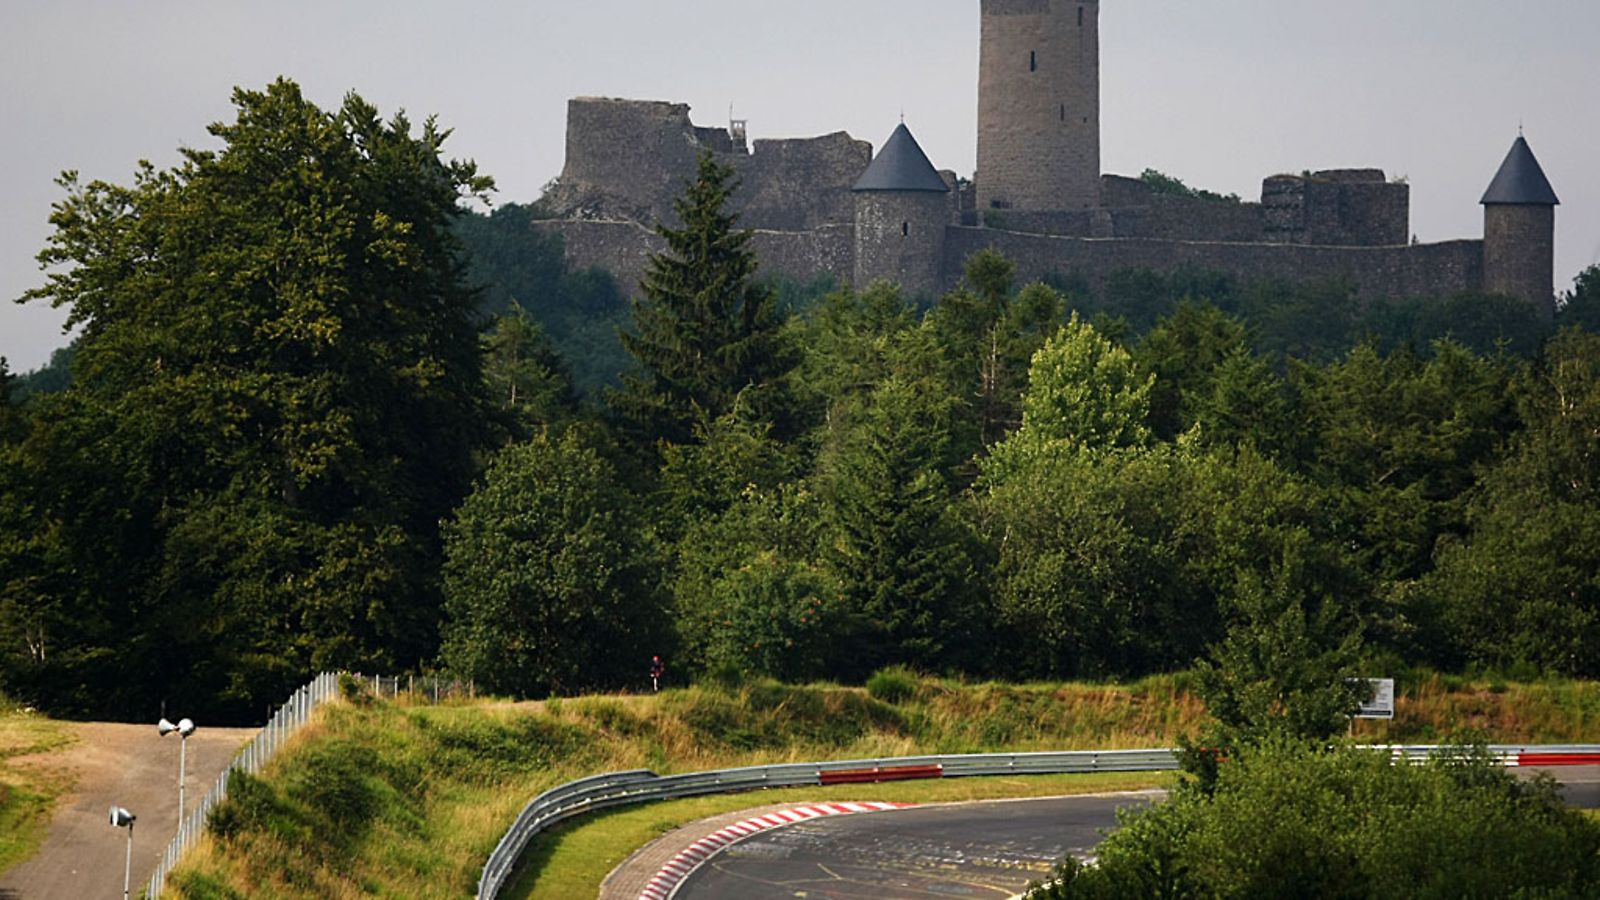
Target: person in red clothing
{"points": [[656, 668]]}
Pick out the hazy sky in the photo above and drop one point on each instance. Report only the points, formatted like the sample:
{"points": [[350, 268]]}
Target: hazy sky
{"points": [[1219, 93]]}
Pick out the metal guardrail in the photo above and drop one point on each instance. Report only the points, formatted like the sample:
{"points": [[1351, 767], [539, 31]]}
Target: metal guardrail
{"points": [[617, 789], [638, 786]]}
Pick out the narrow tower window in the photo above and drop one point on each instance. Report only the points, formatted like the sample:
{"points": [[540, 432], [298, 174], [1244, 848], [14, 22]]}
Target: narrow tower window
{"points": [[905, 229], [1033, 60], [1063, 112], [1080, 17]]}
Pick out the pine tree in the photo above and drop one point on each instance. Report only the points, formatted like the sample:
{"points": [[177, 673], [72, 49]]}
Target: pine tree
{"points": [[704, 331]]}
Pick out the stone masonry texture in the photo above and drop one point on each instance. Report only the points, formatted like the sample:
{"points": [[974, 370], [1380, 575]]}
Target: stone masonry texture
{"points": [[1519, 252], [1038, 196], [1039, 105]]}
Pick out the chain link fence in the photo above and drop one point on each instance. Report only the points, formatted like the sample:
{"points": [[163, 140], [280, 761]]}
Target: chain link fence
{"points": [[293, 715]]}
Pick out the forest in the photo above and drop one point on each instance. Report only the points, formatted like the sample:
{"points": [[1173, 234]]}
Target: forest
{"points": [[321, 413]]}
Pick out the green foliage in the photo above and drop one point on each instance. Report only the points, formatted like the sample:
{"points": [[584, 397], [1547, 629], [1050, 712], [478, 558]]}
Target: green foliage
{"points": [[12, 425], [1580, 307], [1164, 184], [987, 330], [541, 573], [704, 331], [527, 379], [751, 597], [1522, 587], [1287, 666], [1404, 440], [1084, 394], [728, 458], [275, 398], [1287, 821], [893, 684], [522, 268], [51, 378], [903, 558], [1088, 581], [1185, 352]]}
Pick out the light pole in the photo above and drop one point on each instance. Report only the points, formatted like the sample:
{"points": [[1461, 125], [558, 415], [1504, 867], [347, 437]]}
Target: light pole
{"points": [[121, 818], [184, 728]]}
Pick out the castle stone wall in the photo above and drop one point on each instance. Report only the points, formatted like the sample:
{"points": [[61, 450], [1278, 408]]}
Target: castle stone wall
{"points": [[620, 248], [628, 159], [1341, 208], [800, 184], [624, 249], [1039, 105], [803, 255], [1190, 219], [1158, 217], [1420, 270], [1519, 253]]}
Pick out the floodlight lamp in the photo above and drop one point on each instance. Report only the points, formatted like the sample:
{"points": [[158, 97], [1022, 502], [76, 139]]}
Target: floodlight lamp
{"points": [[121, 818], [184, 727]]}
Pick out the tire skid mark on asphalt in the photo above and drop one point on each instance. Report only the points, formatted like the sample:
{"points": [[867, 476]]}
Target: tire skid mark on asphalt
{"points": [[681, 866]]}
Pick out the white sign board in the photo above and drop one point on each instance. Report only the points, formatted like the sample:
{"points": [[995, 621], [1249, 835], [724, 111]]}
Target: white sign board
{"points": [[1381, 706]]}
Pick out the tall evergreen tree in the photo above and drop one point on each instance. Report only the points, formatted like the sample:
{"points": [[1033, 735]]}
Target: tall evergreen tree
{"points": [[895, 547], [527, 378], [704, 331], [1580, 307], [10, 416]]}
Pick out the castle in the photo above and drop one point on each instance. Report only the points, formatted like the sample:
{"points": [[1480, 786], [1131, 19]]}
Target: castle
{"points": [[828, 205]]}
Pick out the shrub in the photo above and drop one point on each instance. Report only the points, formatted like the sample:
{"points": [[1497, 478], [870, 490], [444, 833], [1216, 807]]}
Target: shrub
{"points": [[251, 806], [354, 690], [1285, 820], [894, 684]]}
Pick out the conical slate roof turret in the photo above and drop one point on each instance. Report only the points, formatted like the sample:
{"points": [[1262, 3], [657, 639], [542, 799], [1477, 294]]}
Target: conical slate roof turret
{"points": [[901, 166], [1520, 180]]}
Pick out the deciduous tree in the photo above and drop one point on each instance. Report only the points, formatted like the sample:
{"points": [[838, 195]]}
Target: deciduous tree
{"points": [[544, 590], [276, 397]]}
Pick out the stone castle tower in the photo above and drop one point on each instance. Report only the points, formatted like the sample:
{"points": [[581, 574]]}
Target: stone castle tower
{"points": [[902, 210], [1039, 105], [1519, 230], [827, 204]]}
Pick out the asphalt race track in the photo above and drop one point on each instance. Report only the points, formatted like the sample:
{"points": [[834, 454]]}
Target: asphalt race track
{"points": [[1580, 785], [987, 850]]}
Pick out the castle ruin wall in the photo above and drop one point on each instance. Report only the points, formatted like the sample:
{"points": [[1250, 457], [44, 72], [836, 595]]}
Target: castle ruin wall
{"points": [[1424, 270], [627, 160], [624, 249], [801, 183]]}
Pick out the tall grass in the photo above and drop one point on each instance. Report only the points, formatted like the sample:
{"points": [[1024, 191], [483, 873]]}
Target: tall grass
{"points": [[401, 801], [27, 793]]}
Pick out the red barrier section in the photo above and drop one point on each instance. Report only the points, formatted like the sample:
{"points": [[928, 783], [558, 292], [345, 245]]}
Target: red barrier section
{"points": [[870, 776], [1558, 759]]}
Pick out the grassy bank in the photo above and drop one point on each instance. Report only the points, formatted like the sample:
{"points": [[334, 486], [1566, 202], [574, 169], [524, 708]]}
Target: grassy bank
{"points": [[27, 791], [390, 800]]}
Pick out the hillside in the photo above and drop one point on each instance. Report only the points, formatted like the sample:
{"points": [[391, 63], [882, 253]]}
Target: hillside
{"points": [[395, 800]]}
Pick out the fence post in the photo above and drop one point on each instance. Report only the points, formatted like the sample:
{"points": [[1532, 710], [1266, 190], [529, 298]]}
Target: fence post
{"points": [[281, 723]]}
